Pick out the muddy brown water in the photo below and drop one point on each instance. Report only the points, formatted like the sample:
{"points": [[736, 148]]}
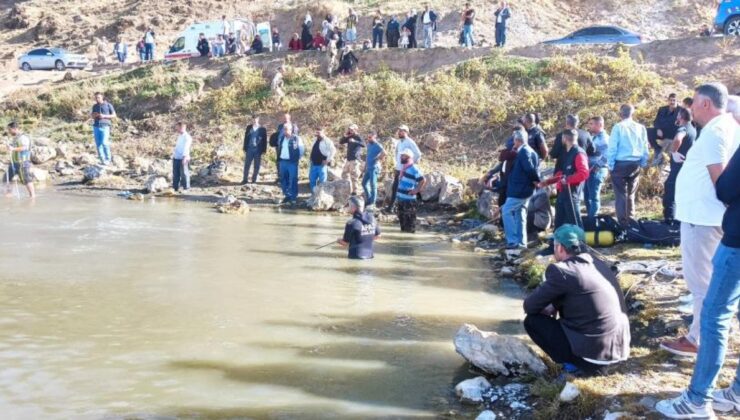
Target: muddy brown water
{"points": [[164, 309]]}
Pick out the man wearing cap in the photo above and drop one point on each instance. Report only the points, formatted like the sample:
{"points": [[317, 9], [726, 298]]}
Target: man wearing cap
{"points": [[360, 231], [410, 183], [578, 315], [351, 170], [404, 143]]}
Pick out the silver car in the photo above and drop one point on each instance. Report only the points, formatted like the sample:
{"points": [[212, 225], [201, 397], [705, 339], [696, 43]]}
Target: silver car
{"points": [[51, 58], [598, 35]]}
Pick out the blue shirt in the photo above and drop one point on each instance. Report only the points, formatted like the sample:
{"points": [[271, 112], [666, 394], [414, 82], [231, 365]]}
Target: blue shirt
{"points": [[601, 146], [359, 233], [408, 182], [628, 143], [374, 150]]}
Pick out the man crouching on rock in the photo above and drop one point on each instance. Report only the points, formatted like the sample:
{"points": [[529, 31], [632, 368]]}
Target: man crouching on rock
{"points": [[360, 232], [592, 330]]}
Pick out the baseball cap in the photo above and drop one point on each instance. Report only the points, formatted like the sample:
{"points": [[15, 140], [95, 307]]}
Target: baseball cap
{"points": [[570, 236], [404, 127]]}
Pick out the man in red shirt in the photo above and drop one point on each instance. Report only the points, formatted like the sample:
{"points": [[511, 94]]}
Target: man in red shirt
{"points": [[569, 181]]}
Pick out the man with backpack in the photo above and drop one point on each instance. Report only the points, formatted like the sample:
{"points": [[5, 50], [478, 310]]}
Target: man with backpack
{"points": [[697, 205]]}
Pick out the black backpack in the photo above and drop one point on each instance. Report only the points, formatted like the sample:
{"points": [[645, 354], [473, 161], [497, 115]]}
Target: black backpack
{"points": [[653, 232]]}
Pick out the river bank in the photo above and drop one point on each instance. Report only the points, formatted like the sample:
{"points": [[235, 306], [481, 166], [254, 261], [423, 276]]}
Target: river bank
{"points": [[652, 293]]}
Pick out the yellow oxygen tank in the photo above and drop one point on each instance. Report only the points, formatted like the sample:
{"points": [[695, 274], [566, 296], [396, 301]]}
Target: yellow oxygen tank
{"points": [[602, 238]]}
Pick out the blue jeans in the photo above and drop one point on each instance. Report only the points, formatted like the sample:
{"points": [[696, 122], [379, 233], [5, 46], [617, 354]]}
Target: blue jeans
{"points": [[468, 35], [121, 57], [289, 179], [350, 35], [514, 214], [102, 142], [180, 175], [500, 35], [377, 38], [592, 191], [149, 51], [317, 175], [370, 185], [720, 304]]}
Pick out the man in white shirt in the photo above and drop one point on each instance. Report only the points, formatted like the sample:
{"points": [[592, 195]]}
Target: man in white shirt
{"points": [[149, 45], [697, 205], [429, 24], [181, 158], [404, 143], [225, 26]]}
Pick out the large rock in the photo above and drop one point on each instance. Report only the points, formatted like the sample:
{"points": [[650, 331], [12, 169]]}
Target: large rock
{"points": [[488, 205], [215, 173], [472, 390], [434, 182], [434, 141], [84, 159], [92, 173], [42, 154], [452, 192], [330, 196], [156, 184], [497, 354]]}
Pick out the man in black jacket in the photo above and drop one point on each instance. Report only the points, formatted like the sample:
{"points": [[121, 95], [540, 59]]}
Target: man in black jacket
{"points": [[535, 136], [503, 13], [558, 151], [255, 145], [592, 330], [664, 126]]}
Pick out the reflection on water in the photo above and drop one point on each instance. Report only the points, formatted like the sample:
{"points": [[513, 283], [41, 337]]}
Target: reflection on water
{"points": [[109, 307]]}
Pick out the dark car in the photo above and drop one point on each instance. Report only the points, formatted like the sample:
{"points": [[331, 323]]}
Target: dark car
{"points": [[598, 35], [727, 19]]}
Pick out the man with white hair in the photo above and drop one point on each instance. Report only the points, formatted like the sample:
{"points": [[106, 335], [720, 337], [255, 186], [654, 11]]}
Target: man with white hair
{"points": [[520, 187], [697, 206], [721, 301]]}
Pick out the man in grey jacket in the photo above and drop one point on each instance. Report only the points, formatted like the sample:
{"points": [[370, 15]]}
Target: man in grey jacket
{"points": [[591, 330]]}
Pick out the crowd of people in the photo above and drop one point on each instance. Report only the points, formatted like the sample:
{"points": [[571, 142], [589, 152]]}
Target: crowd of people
{"points": [[577, 316]]}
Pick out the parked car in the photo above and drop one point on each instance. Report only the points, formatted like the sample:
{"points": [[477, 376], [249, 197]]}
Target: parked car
{"points": [[727, 20], [51, 58], [598, 35]]}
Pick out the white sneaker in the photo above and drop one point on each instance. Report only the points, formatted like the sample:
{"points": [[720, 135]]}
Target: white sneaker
{"points": [[686, 298], [681, 408], [725, 400]]}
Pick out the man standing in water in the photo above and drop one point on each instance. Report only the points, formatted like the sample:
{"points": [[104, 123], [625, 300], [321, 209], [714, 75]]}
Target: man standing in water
{"points": [[181, 158], [410, 182], [102, 114], [20, 160], [360, 231]]}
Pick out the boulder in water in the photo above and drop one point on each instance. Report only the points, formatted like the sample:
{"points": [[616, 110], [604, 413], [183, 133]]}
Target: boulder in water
{"points": [[472, 390], [497, 354], [330, 196], [231, 205], [156, 184]]}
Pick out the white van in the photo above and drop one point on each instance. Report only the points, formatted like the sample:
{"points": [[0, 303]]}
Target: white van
{"points": [[186, 45]]}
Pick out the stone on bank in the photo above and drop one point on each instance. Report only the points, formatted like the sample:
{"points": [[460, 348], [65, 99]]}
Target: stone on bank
{"points": [[497, 354], [472, 390]]}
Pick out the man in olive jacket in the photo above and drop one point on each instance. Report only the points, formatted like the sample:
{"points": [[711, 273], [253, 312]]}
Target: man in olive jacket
{"points": [[592, 329]]}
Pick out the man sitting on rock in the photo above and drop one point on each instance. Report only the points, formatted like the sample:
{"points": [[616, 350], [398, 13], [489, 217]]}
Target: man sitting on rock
{"points": [[591, 330]]}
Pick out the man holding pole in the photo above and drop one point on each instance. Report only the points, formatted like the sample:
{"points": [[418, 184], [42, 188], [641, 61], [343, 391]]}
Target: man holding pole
{"points": [[20, 160], [360, 231]]}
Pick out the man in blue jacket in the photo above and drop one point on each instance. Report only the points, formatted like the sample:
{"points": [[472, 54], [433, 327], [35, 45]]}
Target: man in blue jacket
{"points": [[520, 188], [290, 150], [502, 15]]}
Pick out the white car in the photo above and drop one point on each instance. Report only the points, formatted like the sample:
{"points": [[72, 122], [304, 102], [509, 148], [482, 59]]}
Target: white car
{"points": [[51, 58]]}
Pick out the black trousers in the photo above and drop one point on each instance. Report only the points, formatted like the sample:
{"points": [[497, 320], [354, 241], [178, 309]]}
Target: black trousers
{"points": [[548, 334], [253, 158], [567, 207], [669, 193], [652, 134], [180, 175], [394, 188], [407, 216]]}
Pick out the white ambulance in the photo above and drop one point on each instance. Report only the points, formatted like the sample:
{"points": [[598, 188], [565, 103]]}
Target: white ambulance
{"points": [[186, 45]]}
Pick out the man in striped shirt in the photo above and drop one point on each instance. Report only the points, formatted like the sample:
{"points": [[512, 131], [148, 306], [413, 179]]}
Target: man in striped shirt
{"points": [[410, 182]]}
